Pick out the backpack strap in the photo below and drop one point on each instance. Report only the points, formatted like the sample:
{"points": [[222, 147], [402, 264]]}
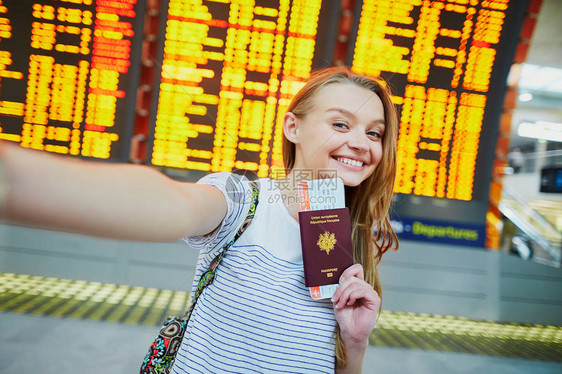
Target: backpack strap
{"points": [[208, 276]]}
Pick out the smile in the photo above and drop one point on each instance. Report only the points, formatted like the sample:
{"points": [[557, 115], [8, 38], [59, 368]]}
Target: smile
{"points": [[349, 161]]}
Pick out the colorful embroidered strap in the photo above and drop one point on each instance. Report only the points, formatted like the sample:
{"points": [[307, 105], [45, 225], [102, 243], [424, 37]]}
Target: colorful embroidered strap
{"points": [[209, 275]]}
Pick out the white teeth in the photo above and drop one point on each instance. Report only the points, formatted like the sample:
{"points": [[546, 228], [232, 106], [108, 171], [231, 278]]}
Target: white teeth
{"points": [[350, 161]]}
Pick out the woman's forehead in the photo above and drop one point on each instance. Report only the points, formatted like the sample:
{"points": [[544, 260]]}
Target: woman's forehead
{"points": [[348, 97]]}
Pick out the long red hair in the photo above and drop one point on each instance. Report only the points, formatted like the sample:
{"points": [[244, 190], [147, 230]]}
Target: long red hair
{"points": [[368, 203]]}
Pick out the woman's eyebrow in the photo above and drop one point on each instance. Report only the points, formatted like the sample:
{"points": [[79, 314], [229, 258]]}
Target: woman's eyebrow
{"points": [[346, 113], [350, 115]]}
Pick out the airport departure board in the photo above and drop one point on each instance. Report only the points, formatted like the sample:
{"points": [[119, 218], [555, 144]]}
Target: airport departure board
{"points": [[69, 74], [228, 70], [446, 62]]}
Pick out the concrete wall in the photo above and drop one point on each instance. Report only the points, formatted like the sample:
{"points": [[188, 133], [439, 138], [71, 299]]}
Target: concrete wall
{"points": [[62, 255], [419, 278], [440, 279]]}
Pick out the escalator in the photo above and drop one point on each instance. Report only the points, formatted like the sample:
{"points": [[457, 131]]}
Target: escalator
{"points": [[532, 228]]}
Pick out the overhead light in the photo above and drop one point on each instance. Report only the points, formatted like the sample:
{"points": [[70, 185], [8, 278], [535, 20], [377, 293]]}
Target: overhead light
{"points": [[541, 130], [525, 97], [539, 78]]}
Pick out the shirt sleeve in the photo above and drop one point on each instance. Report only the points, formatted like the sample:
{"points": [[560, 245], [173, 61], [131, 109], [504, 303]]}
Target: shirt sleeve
{"points": [[238, 194]]}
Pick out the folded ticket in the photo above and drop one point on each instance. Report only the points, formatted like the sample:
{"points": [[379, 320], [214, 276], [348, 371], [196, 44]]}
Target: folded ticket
{"points": [[325, 235], [318, 194]]}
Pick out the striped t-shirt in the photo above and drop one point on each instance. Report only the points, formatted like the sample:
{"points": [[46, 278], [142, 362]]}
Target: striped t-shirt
{"points": [[257, 316]]}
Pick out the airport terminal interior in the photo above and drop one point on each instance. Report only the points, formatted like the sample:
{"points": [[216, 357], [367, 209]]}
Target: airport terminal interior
{"points": [[76, 304]]}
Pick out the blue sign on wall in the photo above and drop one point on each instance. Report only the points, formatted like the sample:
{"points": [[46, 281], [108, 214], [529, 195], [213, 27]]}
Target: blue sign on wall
{"points": [[439, 231]]}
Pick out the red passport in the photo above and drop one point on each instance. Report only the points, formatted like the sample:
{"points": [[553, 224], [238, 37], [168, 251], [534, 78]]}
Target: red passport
{"points": [[326, 245]]}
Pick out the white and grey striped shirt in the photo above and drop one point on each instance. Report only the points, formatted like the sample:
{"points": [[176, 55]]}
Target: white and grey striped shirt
{"points": [[257, 316]]}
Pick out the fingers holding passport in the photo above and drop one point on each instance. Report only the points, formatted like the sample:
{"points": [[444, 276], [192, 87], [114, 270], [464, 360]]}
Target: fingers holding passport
{"points": [[353, 288], [353, 271], [356, 305]]}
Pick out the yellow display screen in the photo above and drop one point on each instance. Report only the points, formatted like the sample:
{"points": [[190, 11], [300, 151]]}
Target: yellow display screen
{"points": [[228, 71], [446, 62], [68, 75]]}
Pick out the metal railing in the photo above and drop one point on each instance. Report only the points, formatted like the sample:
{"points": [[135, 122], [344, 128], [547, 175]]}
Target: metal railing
{"points": [[533, 225]]}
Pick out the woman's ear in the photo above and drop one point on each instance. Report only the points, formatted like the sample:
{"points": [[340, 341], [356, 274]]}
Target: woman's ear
{"points": [[290, 127]]}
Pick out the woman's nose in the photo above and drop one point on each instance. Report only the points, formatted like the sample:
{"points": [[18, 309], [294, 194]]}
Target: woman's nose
{"points": [[358, 141]]}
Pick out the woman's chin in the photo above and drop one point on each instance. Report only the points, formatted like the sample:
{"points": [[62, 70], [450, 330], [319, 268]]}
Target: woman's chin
{"points": [[351, 182], [352, 179]]}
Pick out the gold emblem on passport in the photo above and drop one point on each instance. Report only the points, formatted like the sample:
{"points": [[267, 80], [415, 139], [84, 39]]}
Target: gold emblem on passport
{"points": [[327, 241]]}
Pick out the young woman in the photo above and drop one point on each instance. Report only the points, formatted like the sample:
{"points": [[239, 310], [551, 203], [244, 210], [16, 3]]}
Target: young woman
{"points": [[257, 316]]}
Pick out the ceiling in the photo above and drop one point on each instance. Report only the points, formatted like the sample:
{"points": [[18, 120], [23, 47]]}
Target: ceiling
{"points": [[546, 44], [541, 76]]}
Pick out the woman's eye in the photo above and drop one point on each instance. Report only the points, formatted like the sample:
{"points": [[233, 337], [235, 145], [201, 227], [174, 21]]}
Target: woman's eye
{"points": [[340, 125], [374, 134]]}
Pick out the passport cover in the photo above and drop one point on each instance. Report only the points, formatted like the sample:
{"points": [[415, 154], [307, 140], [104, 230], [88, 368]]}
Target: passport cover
{"points": [[326, 245]]}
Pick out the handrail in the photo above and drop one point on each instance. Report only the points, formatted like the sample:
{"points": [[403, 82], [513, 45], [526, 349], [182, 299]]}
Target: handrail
{"points": [[544, 154], [529, 210], [526, 227]]}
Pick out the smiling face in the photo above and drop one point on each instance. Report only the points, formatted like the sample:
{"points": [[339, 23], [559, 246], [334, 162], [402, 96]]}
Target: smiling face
{"points": [[342, 132]]}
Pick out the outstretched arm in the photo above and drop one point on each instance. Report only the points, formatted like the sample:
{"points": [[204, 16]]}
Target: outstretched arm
{"points": [[356, 305], [120, 201]]}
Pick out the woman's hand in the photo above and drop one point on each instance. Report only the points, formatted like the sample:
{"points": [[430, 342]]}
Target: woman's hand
{"points": [[356, 305]]}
